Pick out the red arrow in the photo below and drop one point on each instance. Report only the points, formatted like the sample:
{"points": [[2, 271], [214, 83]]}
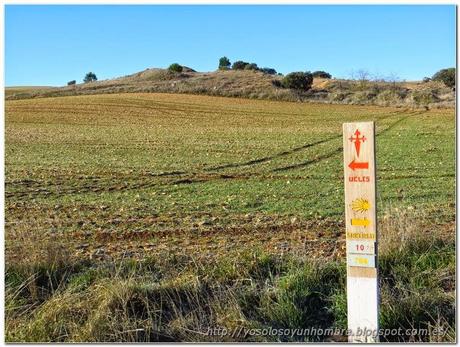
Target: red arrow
{"points": [[355, 165]]}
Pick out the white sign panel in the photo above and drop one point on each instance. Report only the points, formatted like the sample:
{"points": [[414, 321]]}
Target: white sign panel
{"points": [[361, 247]]}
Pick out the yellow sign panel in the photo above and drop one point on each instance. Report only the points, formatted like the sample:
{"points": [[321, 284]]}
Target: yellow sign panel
{"points": [[364, 222]]}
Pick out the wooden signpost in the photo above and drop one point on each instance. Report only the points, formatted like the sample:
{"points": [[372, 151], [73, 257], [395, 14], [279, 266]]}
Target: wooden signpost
{"points": [[361, 231]]}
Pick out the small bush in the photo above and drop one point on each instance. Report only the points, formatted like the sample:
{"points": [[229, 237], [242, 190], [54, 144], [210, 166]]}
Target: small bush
{"points": [[447, 76], [71, 83], [175, 68], [426, 79], [298, 80], [321, 74]]}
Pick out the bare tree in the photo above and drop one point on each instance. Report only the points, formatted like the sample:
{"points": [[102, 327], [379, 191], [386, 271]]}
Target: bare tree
{"points": [[362, 76]]}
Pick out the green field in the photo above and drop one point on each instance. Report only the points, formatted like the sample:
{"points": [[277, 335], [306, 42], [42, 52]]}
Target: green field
{"points": [[110, 178]]}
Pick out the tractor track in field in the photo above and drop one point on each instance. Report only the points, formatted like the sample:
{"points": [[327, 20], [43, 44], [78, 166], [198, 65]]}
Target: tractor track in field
{"points": [[267, 158], [183, 177], [42, 191], [293, 150], [339, 149], [275, 156], [270, 158]]}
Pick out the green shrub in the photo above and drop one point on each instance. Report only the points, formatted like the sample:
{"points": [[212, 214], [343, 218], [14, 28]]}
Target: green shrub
{"points": [[447, 76], [224, 63], [175, 68], [239, 65], [298, 80], [71, 83]]}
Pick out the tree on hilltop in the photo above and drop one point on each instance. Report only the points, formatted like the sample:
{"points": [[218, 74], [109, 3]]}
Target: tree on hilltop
{"points": [[90, 77], [224, 63]]}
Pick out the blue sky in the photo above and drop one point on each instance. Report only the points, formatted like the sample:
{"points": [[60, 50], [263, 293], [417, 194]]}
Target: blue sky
{"points": [[52, 44]]}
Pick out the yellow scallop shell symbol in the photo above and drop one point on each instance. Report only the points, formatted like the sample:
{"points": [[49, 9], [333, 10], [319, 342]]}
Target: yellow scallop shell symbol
{"points": [[360, 205]]}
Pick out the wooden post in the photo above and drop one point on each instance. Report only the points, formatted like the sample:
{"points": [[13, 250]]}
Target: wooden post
{"points": [[361, 231]]}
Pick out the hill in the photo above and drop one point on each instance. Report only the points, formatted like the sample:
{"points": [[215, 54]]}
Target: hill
{"points": [[257, 85]]}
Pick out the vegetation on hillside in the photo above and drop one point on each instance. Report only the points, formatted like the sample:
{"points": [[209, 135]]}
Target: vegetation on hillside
{"points": [[225, 64], [447, 76], [264, 83], [261, 84]]}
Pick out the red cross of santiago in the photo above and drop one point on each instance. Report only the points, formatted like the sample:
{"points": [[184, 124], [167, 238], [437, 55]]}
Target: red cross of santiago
{"points": [[357, 140]]}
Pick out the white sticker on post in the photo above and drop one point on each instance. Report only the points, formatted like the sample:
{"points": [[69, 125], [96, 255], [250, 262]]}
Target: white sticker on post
{"points": [[361, 260], [361, 247]]}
